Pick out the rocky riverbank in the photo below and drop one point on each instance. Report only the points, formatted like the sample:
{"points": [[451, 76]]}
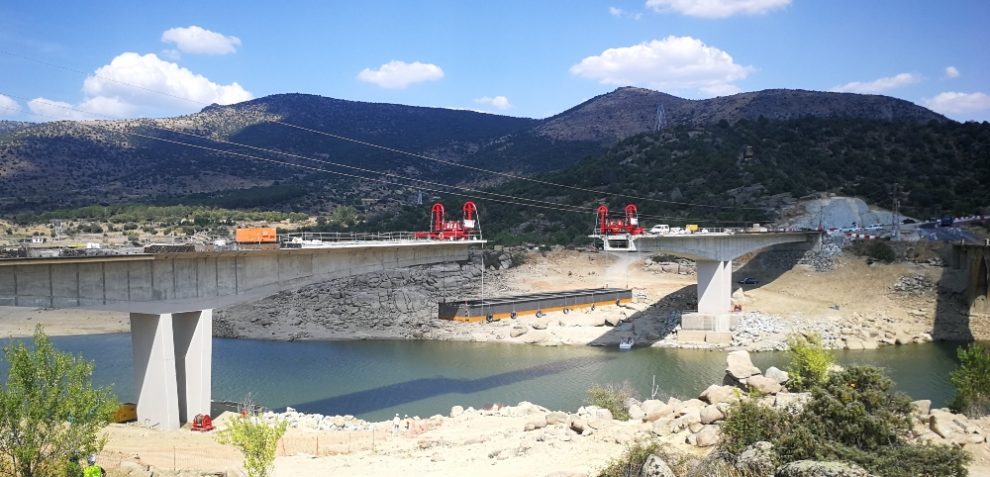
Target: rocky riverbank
{"points": [[849, 303], [528, 439]]}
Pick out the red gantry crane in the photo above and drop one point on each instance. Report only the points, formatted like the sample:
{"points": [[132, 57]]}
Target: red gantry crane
{"points": [[442, 229], [618, 226]]}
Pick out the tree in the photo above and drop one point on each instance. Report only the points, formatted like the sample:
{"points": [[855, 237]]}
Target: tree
{"points": [[49, 409], [256, 438]]}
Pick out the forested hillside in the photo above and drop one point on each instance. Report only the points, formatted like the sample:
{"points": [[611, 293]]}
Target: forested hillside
{"points": [[941, 167]]}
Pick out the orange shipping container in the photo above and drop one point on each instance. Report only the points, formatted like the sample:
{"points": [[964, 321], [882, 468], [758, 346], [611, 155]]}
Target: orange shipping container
{"points": [[256, 236]]}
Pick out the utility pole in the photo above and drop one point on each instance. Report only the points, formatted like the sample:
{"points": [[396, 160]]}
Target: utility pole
{"points": [[896, 196]]}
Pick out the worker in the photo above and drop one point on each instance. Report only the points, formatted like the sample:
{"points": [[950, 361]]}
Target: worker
{"points": [[93, 470], [395, 423]]}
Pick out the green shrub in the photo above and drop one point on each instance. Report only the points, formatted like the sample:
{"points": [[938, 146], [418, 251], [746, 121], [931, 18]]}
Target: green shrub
{"points": [[878, 250], [630, 463], [809, 362], [613, 398], [972, 381], [855, 417], [748, 422], [256, 439]]}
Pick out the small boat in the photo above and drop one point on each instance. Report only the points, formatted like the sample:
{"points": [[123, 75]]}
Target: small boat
{"points": [[625, 344]]}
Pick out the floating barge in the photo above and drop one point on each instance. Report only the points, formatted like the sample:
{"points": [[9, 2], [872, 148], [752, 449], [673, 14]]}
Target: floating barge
{"points": [[538, 304]]}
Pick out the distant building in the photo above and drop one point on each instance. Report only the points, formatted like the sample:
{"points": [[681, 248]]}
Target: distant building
{"points": [[38, 239]]}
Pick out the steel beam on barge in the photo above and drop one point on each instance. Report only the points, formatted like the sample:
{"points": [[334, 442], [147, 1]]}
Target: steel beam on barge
{"points": [[513, 306]]}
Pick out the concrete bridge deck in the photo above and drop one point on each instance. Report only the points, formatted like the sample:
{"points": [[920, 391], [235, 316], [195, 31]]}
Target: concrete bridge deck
{"points": [[713, 252], [171, 297]]}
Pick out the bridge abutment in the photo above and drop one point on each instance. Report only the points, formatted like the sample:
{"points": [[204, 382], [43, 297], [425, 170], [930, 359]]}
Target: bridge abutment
{"points": [[173, 355]]}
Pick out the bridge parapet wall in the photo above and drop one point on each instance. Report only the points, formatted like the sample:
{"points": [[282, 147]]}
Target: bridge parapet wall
{"points": [[169, 283]]}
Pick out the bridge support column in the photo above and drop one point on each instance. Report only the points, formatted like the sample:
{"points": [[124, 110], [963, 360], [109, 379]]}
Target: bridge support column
{"points": [[714, 286], [173, 355]]}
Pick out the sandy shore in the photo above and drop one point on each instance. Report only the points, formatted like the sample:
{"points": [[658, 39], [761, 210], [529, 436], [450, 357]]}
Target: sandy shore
{"points": [[21, 322]]}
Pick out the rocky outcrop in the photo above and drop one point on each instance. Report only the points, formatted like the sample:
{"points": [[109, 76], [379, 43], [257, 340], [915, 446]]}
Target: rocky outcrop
{"points": [[388, 304], [810, 468]]}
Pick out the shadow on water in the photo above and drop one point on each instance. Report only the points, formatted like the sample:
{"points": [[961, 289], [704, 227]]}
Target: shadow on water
{"points": [[391, 395]]}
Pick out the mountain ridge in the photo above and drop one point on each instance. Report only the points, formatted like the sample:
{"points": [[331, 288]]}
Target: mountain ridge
{"points": [[118, 161], [627, 111]]}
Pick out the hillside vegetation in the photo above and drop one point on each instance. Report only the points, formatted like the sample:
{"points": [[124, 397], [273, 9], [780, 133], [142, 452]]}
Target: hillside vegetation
{"points": [[141, 160], [941, 166]]}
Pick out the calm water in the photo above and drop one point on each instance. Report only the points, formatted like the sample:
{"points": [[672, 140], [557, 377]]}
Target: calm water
{"points": [[375, 379]]}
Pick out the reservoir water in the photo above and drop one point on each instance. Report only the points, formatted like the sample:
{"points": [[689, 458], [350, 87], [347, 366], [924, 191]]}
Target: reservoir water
{"points": [[376, 379]]}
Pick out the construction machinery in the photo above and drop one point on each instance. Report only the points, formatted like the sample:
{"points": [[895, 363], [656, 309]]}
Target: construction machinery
{"points": [[627, 225], [443, 229]]}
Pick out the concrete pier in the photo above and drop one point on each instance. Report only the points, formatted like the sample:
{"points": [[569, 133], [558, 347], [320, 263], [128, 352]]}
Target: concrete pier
{"points": [[172, 366], [714, 286]]}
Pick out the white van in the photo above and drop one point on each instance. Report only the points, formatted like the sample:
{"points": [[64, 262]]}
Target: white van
{"points": [[660, 229]]}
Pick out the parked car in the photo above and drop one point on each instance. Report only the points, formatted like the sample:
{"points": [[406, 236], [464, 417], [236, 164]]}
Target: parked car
{"points": [[660, 229], [748, 281]]}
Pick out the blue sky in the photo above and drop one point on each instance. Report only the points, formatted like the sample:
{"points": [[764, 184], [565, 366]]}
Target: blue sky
{"points": [[521, 58]]}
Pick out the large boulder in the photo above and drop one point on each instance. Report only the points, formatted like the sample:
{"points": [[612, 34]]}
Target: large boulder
{"points": [[777, 375], [654, 409], [707, 436], [711, 413], [757, 460], [763, 384], [518, 331], [810, 468], [557, 418], [740, 366], [716, 394], [613, 320], [656, 467]]}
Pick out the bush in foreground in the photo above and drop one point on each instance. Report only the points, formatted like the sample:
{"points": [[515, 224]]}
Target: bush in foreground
{"points": [[972, 381], [49, 410], [809, 362], [256, 439], [612, 397], [852, 417]]}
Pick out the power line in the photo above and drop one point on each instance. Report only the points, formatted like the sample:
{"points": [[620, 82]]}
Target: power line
{"points": [[395, 150]]}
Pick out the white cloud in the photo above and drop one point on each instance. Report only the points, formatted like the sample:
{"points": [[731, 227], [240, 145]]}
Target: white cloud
{"points": [[498, 102], [951, 72], [878, 85], [149, 80], [48, 110], [620, 13], [676, 63], [959, 104], [134, 84], [717, 8], [8, 107], [399, 74], [200, 41]]}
